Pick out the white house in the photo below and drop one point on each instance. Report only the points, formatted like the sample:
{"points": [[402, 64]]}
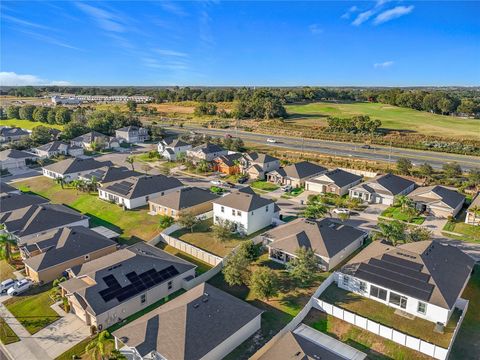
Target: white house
{"points": [[247, 211], [55, 148], [382, 189], [336, 181], [132, 134], [204, 323], [12, 159], [332, 242], [170, 149], [424, 279], [256, 165], [136, 191], [71, 169], [206, 152]]}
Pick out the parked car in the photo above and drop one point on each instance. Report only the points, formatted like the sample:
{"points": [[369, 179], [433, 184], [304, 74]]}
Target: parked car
{"points": [[287, 188], [20, 287], [366, 146], [216, 182], [6, 284], [341, 211], [270, 140], [230, 184], [242, 180]]}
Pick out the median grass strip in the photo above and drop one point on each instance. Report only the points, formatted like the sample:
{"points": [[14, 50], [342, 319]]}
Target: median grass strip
{"points": [[7, 335], [32, 308]]}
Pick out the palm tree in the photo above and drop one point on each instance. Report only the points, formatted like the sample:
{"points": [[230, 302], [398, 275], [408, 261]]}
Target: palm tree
{"points": [[97, 347], [6, 243], [475, 211], [60, 181], [314, 211], [131, 160], [403, 201], [391, 231]]}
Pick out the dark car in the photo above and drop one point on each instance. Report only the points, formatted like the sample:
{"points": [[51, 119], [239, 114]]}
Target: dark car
{"points": [[229, 184], [242, 180], [366, 146]]}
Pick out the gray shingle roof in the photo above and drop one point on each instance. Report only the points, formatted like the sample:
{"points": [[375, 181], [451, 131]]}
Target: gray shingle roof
{"points": [[74, 165], [64, 244], [243, 200], [111, 173], [90, 137], [208, 148], [13, 131], [189, 326], [325, 237], [52, 146], [174, 142], [15, 154], [10, 202], [184, 198], [301, 170], [393, 183], [339, 177], [229, 159], [450, 197], [135, 187], [260, 158]]}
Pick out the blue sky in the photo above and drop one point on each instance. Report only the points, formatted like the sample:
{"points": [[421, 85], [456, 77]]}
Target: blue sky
{"points": [[385, 43]]}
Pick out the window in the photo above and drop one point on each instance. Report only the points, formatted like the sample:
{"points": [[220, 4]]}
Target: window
{"points": [[170, 285], [422, 308], [266, 208], [239, 213], [363, 286], [398, 300], [346, 280], [222, 209], [146, 198], [233, 212], [143, 298], [378, 293], [173, 212]]}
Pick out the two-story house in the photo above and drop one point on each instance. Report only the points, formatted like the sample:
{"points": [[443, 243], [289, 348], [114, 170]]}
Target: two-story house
{"points": [[256, 165], [132, 134], [171, 149]]}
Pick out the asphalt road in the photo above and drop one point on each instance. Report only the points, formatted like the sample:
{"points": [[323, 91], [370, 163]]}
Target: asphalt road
{"points": [[344, 149]]}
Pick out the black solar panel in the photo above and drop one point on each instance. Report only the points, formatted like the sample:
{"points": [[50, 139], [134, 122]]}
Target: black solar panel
{"points": [[403, 262]]}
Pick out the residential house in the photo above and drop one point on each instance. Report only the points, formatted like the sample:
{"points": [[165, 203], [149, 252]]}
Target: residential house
{"points": [[204, 323], [228, 164], [295, 175], [437, 200], [256, 165], [8, 134], [55, 148], [132, 134], [88, 140], [473, 212], [71, 169], [336, 181], [109, 174], [107, 290], [49, 255], [247, 211], [206, 152], [306, 343], [382, 189], [171, 149], [13, 200], [193, 200], [424, 278], [31, 221], [331, 241], [13, 159], [136, 191]]}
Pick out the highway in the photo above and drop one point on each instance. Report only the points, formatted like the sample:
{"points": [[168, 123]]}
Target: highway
{"points": [[344, 149]]}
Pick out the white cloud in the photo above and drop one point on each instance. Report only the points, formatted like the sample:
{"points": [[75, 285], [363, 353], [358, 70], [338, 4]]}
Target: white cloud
{"points": [[49, 39], [362, 17], [106, 20], [173, 8], [349, 12], [383, 65], [13, 79], [391, 14], [315, 29], [167, 52], [24, 22]]}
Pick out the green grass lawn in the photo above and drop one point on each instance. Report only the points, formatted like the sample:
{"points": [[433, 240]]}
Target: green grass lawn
{"points": [[202, 267], [32, 308], [396, 213], [6, 271], [392, 117], [7, 335], [385, 315], [27, 124], [264, 185], [101, 212], [468, 232]]}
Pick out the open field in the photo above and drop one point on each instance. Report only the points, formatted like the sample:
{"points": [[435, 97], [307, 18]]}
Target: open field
{"points": [[27, 124], [392, 117]]}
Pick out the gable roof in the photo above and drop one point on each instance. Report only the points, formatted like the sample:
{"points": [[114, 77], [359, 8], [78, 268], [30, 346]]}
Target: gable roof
{"points": [[437, 193], [426, 270], [90, 137], [52, 146], [189, 326], [243, 200], [325, 237], [208, 148], [13, 131], [338, 177], [74, 165], [229, 159], [64, 244], [13, 201], [111, 173], [475, 202], [171, 142], [184, 198], [393, 184], [301, 170], [118, 271], [137, 186], [15, 154], [260, 158], [129, 128]]}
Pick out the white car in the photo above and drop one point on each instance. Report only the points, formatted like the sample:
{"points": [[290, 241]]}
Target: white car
{"points": [[216, 182], [5, 285], [270, 140], [20, 287], [341, 211], [287, 188]]}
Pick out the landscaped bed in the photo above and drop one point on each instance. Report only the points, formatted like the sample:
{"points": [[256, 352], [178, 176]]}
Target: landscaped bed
{"points": [[32, 308], [397, 213], [385, 315]]}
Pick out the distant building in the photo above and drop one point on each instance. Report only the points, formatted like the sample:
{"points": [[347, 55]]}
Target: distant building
{"points": [[60, 100], [87, 141], [132, 134], [8, 134], [170, 149]]}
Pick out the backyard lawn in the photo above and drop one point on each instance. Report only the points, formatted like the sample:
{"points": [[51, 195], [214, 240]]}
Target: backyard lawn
{"points": [[264, 185], [202, 267], [7, 335], [385, 315], [32, 308], [101, 212], [27, 124], [397, 213], [6, 271]]}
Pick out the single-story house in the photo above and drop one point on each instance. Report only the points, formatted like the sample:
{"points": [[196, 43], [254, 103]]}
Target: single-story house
{"points": [[13, 200], [87, 140], [437, 200], [246, 210], [336, 181], [55, 148], [306, 343], [193, 200], [296, 174], [136, 191], [424, 278], [13, 159], [109, 174], [228, 164], [71, 169], [206, 152], [332, 242], [49, 255], [107, 290], [30, 221], [132, 134], [170, 148], [256, 165], [473, 212], [204, 323], [8, 134], [382, 189]]}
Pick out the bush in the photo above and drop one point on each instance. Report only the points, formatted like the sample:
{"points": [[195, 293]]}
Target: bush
{"points": [[165, 221]]}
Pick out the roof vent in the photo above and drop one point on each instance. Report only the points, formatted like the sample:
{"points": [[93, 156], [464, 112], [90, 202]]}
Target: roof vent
{"points": [[298, 353]]}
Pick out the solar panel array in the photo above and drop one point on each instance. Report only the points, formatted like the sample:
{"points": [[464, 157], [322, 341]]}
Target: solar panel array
{"points": [[397, 274], [122, 187], [138, 283]]}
